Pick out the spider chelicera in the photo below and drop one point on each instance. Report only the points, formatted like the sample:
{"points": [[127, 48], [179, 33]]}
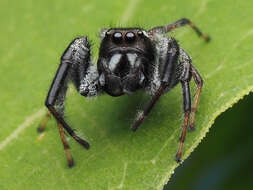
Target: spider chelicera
{"points": [[129, 59]]}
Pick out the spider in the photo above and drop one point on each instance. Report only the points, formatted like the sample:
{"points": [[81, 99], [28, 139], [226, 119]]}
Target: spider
{"points": [[129, 59]]}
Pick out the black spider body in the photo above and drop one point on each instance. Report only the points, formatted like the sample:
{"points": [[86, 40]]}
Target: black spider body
{"points": [[129, 59]]}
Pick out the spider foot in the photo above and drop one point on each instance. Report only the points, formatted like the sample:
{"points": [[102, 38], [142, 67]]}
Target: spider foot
{"points": [[178, 158], [68, 156], [84, 143], [191, 128], [134, 128], [206, 37], [43, 123], [137, 123], [71, 163], [40, 129]]}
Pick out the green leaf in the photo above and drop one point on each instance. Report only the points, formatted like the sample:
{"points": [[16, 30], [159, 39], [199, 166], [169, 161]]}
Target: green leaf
{"points": [[33, 36]]}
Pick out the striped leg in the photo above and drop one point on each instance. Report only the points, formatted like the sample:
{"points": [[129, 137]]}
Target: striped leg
{"points": [[65, 145]]}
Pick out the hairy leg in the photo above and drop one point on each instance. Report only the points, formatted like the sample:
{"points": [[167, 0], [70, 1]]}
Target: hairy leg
{"points": [[77, 67]]}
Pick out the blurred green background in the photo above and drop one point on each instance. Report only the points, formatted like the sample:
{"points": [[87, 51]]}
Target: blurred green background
{"points": [[223, 160]]}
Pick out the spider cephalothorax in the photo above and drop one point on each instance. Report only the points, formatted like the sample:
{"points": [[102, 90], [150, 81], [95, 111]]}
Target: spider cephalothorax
{"points": [[129, 59], [124, 58]]}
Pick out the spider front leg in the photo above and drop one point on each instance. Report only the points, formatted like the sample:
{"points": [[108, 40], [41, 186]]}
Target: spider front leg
{"points": [[75, 66]]}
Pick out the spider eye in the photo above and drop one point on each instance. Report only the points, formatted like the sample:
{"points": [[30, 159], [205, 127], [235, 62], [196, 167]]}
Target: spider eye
{"points": [[117, 37], [140, 33], [130, 37]]}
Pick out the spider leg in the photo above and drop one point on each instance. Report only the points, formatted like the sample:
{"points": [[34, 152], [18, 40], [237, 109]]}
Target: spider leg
{"points": [[187, 111], [177, 24], [55, 99], [65, 145], [199, 82], [44, 121], [167, 62], [77, 67], [148, 108], [187, 71]]}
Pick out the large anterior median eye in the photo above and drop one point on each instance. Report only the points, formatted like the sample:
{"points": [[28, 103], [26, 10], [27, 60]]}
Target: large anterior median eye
{"points": [[117, 37], [130, 37]]}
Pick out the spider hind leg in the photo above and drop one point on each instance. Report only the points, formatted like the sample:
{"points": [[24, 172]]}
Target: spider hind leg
{"points": [[44, 121], [187, 73]]}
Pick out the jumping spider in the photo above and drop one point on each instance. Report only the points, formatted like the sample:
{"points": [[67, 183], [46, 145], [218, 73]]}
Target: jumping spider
{"points": [[129, 59]]}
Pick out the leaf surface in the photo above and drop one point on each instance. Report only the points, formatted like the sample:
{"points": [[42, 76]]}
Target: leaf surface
{"points": [[33, 36]]}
